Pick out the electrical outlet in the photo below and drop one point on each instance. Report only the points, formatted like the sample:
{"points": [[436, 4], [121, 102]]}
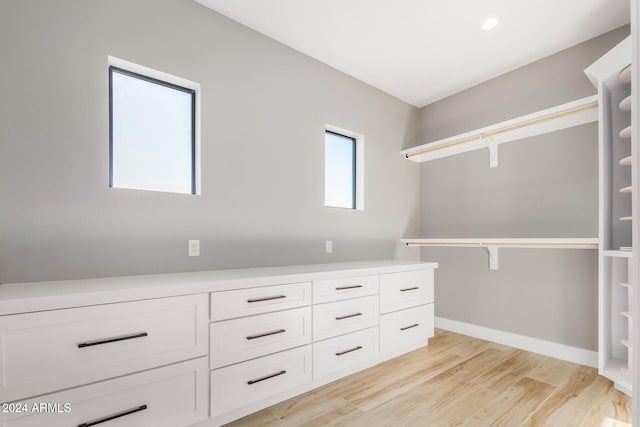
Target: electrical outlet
{"points": [[194, 247], [328, 246]]}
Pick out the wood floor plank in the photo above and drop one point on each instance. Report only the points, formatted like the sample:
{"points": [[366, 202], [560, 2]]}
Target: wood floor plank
{"points": [[552, 371], [507, 373], [458, 380], [386, 387], [568, 405], [612, 409], [514, 406]]}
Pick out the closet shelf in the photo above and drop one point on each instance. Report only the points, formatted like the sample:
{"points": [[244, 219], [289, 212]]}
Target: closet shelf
{"points": [[625, 133], [625, 342], [625, 314], [625, 161], [626, 218], [535, 243], [618, 254], [625, 104], [626, 189], [625, 285], [563, 116], [625, 75]]}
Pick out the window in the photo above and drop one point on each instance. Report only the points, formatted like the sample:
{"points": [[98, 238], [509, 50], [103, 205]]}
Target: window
{"points": [[343, 169], [152, 143]]}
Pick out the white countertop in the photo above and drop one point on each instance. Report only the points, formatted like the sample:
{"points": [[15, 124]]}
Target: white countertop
{"points": [[37, 296]]}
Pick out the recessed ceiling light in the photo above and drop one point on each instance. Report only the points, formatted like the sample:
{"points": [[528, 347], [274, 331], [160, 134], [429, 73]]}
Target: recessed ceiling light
{"points": [[489, 24]]}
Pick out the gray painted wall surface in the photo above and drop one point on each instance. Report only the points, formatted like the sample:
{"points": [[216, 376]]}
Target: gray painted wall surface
{"points": [[264, 107], [546, 186]]}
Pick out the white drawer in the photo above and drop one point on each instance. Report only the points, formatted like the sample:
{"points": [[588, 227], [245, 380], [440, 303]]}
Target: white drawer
{"points": [[339, 289], [233, 341], [52, 350], [245, 383], [406, 289], [336, 318], [246, 302], [172, 396], [344, 352], [405, 328]]}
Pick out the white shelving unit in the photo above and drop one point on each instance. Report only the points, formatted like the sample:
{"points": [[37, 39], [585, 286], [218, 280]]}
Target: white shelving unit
{"points": [[493, 244], [611, 75], [563, 116]]}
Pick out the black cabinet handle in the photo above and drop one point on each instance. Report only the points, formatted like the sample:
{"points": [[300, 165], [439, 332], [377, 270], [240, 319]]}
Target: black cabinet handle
{"points": [[340, 353], [409, 289], [110, 340], [266, 298], [114, 416], [342, 288], [266, 334], [348, 316], [409, 327], [267, 377]]}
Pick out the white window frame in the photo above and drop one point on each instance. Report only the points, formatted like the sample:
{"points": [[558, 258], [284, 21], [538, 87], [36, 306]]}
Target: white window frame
{"points": [[178, 81], [359, 138]]}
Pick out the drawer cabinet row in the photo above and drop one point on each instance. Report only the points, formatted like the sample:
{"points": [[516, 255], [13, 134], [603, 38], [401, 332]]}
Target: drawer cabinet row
{"points": [[174, 361]]}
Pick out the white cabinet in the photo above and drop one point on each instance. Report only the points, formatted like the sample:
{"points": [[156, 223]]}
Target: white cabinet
{"points": [[171, 396], [405, 328], [341, 317], [611, 75], [346, 351], [239, 385], [52, 350], [242, 339], [214, 344]]}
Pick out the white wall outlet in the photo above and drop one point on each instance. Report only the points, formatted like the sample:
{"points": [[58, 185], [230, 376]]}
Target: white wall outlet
{"points": [[328, 246], [194, 247]]}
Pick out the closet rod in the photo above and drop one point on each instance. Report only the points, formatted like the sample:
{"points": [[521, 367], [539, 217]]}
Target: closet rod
{"points": [[507, 129]]}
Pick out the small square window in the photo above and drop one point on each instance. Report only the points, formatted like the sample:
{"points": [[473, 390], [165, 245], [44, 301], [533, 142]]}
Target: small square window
{"points": [[340, 190], [152, 133]]}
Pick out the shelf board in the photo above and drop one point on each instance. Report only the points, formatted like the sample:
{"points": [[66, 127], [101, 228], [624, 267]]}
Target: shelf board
{"points": [[625, 285], [563, 116], [625, 133], [626, 218], [618, 254], [525, 243], [626, 189], [625, 342], [625, 161], [625, 104], [625, 314]]}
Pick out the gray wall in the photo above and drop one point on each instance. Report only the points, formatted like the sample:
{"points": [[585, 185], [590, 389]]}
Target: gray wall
{"points": [[264, 107], [546, 186]]}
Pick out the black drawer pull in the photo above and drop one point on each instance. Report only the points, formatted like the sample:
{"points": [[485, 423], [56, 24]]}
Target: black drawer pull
{"points": [[266, 334], [348, 316], [409, 289], [114, 416], [409, 327], [267, 377], [342, 288], [340, 353], [110, 340], [266, 298]]}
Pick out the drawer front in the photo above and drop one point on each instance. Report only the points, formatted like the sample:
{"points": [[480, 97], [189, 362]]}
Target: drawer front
{"points": [[405, 328], [172, 396], [344, 352], [52, 350], [406, 289], [233, 341], [245, 383], [247, 302], [337, 318], [339, 289]]}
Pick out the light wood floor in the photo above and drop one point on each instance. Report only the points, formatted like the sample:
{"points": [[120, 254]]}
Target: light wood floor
{"points": [[458, 381]]}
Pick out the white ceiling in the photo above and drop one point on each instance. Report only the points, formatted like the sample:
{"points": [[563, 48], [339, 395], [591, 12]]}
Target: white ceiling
{"points": [[424, 50]]}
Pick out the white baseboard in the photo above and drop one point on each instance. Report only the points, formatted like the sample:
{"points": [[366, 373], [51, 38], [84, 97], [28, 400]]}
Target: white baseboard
{"points": [[534, 345]]}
